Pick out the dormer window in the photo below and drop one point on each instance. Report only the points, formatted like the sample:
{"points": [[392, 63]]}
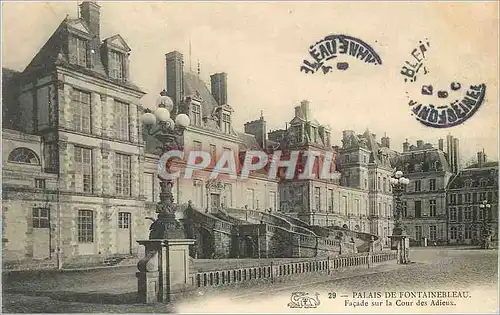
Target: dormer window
{"points": [[81, 51], [116, 69], [196, 114], [314, 134], [226, 123]]}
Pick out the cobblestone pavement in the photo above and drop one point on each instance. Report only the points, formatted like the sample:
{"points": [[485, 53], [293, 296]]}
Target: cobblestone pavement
{"points": [[113, 290]]}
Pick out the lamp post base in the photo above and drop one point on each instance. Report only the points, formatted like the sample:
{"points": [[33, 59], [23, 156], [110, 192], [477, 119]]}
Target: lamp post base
{"points": [[400, 241]]}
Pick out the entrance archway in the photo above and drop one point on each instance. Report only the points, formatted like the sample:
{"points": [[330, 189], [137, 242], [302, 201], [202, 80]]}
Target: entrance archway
{"points": [[205, 243]]}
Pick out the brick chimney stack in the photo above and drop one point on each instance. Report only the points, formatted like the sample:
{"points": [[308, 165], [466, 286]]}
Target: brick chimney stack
{"points": [[90, 13], [219, 87], [175, 76]]}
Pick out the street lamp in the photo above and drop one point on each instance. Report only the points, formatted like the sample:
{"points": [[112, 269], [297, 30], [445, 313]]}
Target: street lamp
{"points": [[485, 229], [159, 124], [399, 235]]}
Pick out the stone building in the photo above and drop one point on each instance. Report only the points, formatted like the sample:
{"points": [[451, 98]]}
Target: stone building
{"points": [[467, 190], [72, 176], [366, 166], [429, 170]]}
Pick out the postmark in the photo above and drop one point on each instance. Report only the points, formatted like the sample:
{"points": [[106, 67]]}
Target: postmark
{"points": [[438, 106], [334, 52]]}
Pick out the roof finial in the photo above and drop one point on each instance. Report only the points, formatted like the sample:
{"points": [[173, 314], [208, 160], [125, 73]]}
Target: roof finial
{"points": [[199, 67], [261, 113]]}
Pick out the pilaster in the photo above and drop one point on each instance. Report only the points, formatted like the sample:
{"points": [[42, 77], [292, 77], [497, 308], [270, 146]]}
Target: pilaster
{"points": [[64, 101], [133, 123], [96, 112], [97, 170], [134, 175]]}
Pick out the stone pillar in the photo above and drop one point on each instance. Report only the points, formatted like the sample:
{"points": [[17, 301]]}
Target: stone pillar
{"points": [[173, 272], [148, 276], [64, 101], [106, 169], [96, 111], [97, 170], [133, 123], [134, 175], [107, 116]]}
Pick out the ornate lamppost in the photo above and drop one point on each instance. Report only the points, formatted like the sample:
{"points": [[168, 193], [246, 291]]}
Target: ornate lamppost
{"points": [[399, 237], [485, 229], [161, 125]]}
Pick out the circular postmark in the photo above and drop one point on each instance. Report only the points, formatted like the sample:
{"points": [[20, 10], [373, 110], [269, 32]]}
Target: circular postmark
{"points": [[438, 105]]}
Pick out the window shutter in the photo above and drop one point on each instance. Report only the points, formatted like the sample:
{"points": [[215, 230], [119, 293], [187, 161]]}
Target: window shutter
{"points": [[474, 213], [460, 214]]}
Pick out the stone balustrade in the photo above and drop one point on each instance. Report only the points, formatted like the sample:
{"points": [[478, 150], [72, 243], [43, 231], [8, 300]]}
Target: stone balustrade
{"points": [[274, 271]]}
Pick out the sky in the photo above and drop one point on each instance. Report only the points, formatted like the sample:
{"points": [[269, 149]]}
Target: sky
{"points": [[261, 45]]}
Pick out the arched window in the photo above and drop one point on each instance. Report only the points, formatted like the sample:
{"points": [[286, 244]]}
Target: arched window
{"points": [[24, 155]]}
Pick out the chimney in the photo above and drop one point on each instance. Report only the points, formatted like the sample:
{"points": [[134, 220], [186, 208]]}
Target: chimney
{"points": [[456, 155], [441, 144], [258, 129], [480, 159], [420, 144], [386, 142], [298, 111], [406, 146], [219, 87], [304, 105], [175, 76], [89, 11]]}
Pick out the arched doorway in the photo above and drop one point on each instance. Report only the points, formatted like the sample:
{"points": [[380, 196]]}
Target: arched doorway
{"points": [[248, 247], [205, 243]]}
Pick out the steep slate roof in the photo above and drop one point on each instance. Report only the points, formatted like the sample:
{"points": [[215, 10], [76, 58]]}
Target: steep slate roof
{"points": [[487, 164], [52, 55], [430, 159], [475, 175], [10, 93], [192, 84], [248, 142]]}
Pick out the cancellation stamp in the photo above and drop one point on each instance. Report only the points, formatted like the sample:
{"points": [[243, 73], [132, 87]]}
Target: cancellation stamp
{"points": [[342, 48], [439, 107]]}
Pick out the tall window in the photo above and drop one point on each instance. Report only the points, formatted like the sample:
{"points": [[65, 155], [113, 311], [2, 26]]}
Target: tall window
{"points": [[330, 201], [51, 157], [358, 207], [453, 199], [213, 154], [432, 232], [41, 218], [468, 198], [344, 204], [453, 214], [85, 226], [418, 232], [418, 209], [432, 208], [124, 220], [314, 134], [468, 232], [116, 65], [81, 51], [196, 114], [122, 174], [405, 208], [468, 213], [432, 184], [196, 145], [417, 185], [317, 198], [80, 104], [122, 124], [453, 233], [298, 134], [226, 123], [149, 187], [83, 169], [385, 184]]}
